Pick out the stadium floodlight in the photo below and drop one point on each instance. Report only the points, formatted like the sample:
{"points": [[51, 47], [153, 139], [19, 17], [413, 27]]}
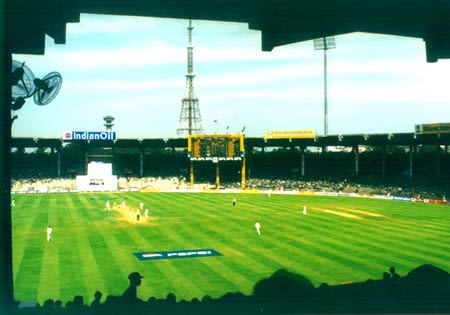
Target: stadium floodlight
{"points": [[324, 44]]}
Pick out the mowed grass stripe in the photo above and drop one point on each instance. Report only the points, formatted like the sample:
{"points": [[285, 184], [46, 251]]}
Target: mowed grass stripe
{"points": [[371, 235], [334, 250], [188, 233], [49, 274], [251, 207], [89, 268], [364, 254], [239, 244], [24, 217], [27, 275], [400, 237], [230, 220], [403, 234], [386, 228], [268, 256], [360, 245], [191, 270], [66, 238], [152, 270], [291, 254], [126, 242], [229, 268], [289, 220], [106, 249]]}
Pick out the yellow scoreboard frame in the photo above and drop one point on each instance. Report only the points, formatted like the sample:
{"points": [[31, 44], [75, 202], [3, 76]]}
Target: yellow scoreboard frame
{"points": [[216, 148]]}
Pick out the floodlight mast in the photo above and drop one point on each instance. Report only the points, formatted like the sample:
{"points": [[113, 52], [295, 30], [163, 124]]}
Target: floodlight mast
{"points": [[324, 44], [190, 119]]}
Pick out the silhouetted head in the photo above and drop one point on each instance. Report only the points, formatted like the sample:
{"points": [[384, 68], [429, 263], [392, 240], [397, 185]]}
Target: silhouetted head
{"points": [[171, 298], [58, 304], [49, 305], [78, 301], [98, 295], [135, 278]]}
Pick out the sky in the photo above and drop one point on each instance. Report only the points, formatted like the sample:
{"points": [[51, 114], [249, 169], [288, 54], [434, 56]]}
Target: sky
{"points": [[134, 69]]}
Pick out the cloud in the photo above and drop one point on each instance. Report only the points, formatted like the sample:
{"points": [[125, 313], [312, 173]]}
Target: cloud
{"points": [[94, 24]]}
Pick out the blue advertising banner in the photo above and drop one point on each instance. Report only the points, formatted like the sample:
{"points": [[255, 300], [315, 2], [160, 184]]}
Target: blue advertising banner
{"points": [[177, 254]]}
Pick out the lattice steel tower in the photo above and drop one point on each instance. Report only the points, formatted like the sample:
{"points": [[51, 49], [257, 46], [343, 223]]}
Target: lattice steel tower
{"points": [[190, 119]]}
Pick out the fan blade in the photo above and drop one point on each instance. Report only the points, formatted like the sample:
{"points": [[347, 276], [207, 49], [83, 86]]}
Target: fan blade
{"points": [[22, 81], [47, 88], [18, 103]]}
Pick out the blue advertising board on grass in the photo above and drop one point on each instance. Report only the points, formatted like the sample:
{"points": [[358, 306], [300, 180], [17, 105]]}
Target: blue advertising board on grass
{"points": [[177, 254]]}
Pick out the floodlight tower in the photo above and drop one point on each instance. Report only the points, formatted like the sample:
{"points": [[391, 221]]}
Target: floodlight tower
{"points": [[324, 44], [190, 119]]}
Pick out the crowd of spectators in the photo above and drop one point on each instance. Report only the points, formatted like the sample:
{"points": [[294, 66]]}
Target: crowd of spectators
{"points": [[422, 189], [152, 183], [43, 185], [363, 186], [423, 290]]}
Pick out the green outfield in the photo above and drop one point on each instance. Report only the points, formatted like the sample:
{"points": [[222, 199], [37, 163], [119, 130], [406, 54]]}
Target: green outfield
{"points": [[340, 240]]}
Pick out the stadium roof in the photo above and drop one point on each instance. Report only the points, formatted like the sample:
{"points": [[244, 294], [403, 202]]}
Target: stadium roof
{"points": [[394, 139], [280, 21]]}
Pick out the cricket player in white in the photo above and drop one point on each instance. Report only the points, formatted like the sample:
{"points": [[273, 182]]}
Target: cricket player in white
{"points": [[49, 233], [13, 203], [146, 213], [304, 210], [108, 206], [258, 226]]}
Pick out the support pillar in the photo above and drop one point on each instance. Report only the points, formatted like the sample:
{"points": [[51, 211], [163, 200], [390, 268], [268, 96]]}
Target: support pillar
{"points": [[86, 159], [141, 163], [356, 153], [438, 162], [412, 149], [302, 156], [191, 173], [243, 173], [58, 163], [248, 158], [383, 162], [217, 176], [6, 267]]}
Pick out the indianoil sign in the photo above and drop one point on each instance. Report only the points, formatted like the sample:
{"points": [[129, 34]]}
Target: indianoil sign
{"points": [[88, 135]]}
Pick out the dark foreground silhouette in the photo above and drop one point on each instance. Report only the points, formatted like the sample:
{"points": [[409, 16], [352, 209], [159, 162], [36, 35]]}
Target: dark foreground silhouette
{"points": [[424, 290]]}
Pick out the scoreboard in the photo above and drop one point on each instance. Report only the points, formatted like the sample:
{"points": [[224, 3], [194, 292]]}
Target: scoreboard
{"points": [[437, 128], [216, 147]]}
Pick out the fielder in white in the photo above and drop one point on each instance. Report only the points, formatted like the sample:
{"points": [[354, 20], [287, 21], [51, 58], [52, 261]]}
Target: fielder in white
{"points": [[258, 227], [305, 212], [49, 233], [108, 206]]}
